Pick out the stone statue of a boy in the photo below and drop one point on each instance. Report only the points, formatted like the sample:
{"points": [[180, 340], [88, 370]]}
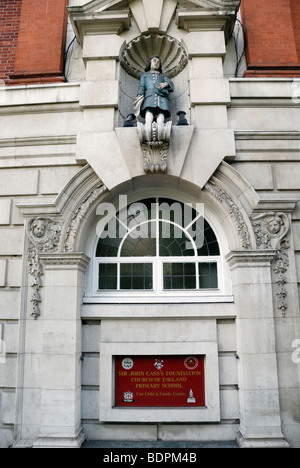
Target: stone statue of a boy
{"points": [[153, 93]]}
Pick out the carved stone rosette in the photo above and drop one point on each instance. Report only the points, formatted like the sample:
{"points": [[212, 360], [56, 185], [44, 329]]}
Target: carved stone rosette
{"points": [[44, 237], [270, 229]]}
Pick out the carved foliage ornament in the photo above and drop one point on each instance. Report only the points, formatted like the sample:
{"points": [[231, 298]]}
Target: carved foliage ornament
{"points": [[270, 229], [69, 243], [234, 211], [281, 264], [44, 236]]}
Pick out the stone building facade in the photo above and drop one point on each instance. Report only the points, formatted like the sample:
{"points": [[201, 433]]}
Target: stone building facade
{"points": [[73, 301]]}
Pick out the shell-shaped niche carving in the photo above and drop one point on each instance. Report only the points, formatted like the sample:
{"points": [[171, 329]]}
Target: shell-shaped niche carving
{"points": [[226, 4], [136, 53]]}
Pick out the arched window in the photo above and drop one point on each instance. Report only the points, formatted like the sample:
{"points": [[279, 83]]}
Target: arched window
{"points": [[156, 247]]}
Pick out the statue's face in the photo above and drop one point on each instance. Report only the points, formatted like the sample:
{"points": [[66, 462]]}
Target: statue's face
{"points": [[39, 228], [274, 226], [155, 63]]}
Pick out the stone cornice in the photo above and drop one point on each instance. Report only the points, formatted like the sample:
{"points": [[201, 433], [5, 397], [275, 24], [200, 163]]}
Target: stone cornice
{"points": [[206, 20], [66, 261], [251, 258], [106, 22], [113, 17], [285, 205], [263, 92]]}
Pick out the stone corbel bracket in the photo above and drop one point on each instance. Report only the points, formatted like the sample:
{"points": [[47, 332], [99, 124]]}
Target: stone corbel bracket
{"points": [[270, 230], [44, 236], [155, 142]]}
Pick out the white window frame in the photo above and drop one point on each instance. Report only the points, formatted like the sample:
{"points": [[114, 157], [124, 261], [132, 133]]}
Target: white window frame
{"points": [[158, 279], [158, 294]]}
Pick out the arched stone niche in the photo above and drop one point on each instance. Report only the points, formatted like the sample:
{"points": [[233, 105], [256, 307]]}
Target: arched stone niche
{"points": [[133, 60]]}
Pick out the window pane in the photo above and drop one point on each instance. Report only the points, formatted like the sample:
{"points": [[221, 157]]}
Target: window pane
{"points": [[173, 242], [137, 227], [110, 240], [141, 242], [208, 275], [136, 276], [107, 276], [179, 276], [138, 212], [107, 247], [210, 245]]}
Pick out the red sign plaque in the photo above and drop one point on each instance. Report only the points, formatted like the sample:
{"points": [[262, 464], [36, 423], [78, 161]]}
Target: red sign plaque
{"points": [[159, 381]]}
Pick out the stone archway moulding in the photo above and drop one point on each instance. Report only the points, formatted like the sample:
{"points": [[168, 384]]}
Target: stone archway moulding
{"points": [[248, 223], [62, 228]]}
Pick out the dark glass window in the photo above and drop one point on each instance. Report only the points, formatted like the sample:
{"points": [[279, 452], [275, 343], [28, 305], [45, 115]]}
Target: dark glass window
{"points": [[179, 275], [136, 276], [108, 276], [154, 229]]}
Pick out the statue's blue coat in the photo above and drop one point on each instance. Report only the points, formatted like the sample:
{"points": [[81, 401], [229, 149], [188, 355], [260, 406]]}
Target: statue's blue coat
{"points": [[157, 101]]}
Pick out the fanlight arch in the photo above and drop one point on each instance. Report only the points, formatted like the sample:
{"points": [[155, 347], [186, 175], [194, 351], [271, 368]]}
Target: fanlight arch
{"points": [[160, 246]]}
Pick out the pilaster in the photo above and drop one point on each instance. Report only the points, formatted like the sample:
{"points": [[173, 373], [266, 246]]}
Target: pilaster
{"points": [[256, 350], [60, 414], [205, 45], [99, 99]]}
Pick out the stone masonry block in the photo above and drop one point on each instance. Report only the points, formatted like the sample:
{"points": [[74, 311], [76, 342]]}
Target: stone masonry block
{"points": [[14, 275], [2, 273], [288, 176], [205, 43], [11, 241], [5, 210], [99, 94], [102, 46], [18, 182], [209, 91]]}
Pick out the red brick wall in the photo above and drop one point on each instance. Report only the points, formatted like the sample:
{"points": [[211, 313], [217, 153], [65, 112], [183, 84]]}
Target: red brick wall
{"points": [[273, 40], [41, 42], [295, 14], [10, 11]]}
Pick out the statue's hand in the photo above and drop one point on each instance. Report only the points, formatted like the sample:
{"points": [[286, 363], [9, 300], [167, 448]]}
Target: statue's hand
{"points": [[162, 85]]}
